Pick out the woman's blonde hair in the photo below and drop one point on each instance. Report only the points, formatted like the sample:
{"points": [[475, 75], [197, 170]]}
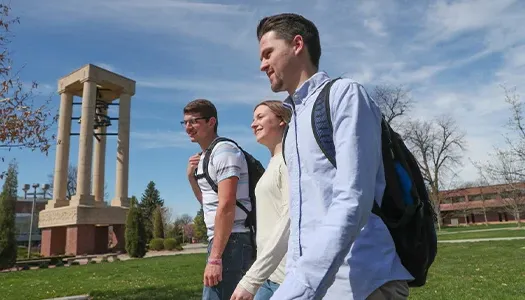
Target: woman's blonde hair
{"points": [[278, 108]]}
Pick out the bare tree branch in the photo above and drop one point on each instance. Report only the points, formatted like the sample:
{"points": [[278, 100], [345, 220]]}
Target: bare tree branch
{"points": [[516, 124], [71, 187], [438, 146], [505, 168], [394, 101]]}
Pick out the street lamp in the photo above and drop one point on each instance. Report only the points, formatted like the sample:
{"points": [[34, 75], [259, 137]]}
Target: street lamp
{"points": [[45, 187], [25, 189]]}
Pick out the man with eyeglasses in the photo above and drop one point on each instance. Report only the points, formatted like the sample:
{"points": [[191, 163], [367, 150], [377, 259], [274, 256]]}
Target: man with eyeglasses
{"points": [[230, 251]]}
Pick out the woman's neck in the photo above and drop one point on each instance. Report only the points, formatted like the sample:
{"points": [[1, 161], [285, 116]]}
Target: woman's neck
{"points": [[275, 148]]}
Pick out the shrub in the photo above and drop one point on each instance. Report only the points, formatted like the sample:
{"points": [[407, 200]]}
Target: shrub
{"points": [[172, 244], [158, 223], [8, 247], [156, 244], [135, 231]]}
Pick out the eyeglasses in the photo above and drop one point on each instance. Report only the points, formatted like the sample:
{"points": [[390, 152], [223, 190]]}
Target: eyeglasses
{"points": [[192, 121]]}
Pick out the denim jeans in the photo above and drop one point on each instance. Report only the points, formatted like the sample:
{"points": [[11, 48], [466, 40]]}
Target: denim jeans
{"points": [[266, 290], [237, 258]]}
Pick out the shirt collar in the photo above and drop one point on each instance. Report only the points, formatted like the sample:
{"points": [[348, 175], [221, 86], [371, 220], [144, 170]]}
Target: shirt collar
{"points": [[308, 88]]}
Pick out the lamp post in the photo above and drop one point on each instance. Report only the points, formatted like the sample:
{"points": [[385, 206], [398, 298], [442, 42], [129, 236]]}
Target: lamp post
{"points": [[45, 187]]}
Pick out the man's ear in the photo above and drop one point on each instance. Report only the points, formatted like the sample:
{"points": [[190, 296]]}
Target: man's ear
{"points": [[298, 44], [212, 121]]}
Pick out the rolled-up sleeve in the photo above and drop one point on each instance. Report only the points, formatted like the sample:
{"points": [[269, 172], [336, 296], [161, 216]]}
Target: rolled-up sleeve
{"points": [[227, 160], [357, 138]]}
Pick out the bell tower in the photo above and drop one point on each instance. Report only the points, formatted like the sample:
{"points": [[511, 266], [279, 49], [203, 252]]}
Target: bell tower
{"points": [[80, 225]]}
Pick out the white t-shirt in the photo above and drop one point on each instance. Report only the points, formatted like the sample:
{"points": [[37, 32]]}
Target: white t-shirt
{"points": [[226, 160]]}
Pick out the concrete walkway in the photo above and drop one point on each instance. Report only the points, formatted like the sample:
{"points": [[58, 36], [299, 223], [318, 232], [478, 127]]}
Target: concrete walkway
{"points": [[481, 230], [483, 240], [187, 249]]}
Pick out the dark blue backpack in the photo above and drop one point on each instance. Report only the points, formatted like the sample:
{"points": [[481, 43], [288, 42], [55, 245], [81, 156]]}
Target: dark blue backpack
{"points": [[406, 208]]}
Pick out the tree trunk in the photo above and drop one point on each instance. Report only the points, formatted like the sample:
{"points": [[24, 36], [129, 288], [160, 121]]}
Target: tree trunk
{"points": [[517, 216], [435, 200], [485, 214], [438, 215]]}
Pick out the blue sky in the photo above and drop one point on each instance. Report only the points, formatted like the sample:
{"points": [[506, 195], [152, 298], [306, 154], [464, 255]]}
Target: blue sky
{"points": [[454, 55]]}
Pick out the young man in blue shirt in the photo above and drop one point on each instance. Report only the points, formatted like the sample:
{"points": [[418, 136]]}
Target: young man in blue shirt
{"points": [[337, 248]]}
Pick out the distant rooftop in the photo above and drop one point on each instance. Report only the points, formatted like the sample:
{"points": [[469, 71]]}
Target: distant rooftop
{"points": [[30, 199]]}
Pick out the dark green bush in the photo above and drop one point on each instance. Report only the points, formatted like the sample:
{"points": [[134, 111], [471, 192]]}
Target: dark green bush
{"points": [[172, 244], [135, 232], [43, 265], [156, 244]]}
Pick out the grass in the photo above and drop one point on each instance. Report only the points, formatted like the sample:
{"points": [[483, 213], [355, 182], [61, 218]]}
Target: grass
{"points": [[483, 234], [21, 253], [479, 226], [483, 270], [169, 277]]}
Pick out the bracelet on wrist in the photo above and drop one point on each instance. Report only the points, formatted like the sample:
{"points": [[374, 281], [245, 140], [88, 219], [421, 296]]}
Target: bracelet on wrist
{"points": [[215, 261]]}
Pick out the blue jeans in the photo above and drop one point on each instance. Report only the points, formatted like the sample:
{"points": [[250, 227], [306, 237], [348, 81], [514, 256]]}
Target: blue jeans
{"points": [[237, 258], [266, 290]]}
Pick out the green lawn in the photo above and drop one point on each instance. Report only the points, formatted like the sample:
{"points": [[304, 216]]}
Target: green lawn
{"points": [[480, 226], [484, 270], [170, 277], [483, 234]]}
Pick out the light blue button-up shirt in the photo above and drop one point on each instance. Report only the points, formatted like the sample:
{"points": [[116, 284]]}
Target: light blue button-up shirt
{"points": [[337, 248]]}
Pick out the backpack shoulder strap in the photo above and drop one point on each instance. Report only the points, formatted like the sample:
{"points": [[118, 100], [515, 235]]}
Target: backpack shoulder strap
{"points": [[323, 129], [322, 123], [206, 162]]}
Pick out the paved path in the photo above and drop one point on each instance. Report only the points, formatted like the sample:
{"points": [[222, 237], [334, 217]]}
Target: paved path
{"points": [[480, 230], [483, 240], [188, 249]]}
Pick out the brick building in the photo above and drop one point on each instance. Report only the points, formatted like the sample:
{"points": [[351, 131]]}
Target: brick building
{"points": [[466, 205]]}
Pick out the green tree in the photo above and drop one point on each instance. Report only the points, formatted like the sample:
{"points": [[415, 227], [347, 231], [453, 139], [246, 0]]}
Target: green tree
{"points": [[148, 203], [158, 223], [199, 227], [135, 233], [8, 196]]}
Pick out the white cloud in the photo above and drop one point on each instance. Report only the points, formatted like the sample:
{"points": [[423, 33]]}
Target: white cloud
{"points": [[216, 89], [179, 139], [107, 66], [446, 20], [217, 23], [375, 26], [452, 54]]}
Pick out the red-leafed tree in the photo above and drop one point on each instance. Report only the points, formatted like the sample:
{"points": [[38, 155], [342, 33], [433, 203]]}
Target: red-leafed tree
{"points": [[24, 122]]}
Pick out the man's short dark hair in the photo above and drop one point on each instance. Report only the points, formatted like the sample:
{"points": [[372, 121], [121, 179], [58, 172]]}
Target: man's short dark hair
{"points": [[204, 107], [287, 26]]}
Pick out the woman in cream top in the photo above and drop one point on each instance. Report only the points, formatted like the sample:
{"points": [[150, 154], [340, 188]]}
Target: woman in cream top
{"points": [[273, 223]]}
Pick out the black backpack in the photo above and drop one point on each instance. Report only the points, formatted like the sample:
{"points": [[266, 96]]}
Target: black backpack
{"points": [[255, 171], [406, 208]]}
